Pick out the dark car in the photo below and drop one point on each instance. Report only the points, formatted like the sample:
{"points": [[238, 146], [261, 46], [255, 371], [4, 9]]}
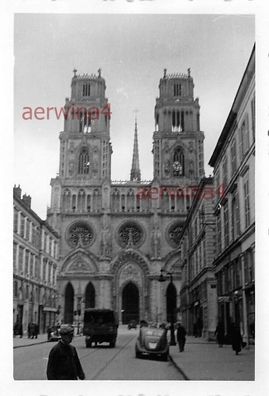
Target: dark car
{"points": [[100, 325], [53, 333], [152, 342], [132, 324]]}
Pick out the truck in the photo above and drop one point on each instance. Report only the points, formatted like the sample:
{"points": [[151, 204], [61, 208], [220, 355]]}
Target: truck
{"points": [[100, 325]]}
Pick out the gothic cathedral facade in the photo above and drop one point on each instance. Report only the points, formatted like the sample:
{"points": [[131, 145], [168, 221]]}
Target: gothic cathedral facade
{"points": [[116, 238]]}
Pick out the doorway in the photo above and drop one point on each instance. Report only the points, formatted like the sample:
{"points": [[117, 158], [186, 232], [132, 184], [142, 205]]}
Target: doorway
{"points": [[130, 303], [69, 304]]}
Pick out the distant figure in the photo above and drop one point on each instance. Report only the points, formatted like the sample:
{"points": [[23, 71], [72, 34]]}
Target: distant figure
{"points": [[64, 363], [143, 323], [36, 330], [181, 337], [195, 329], [199, 325], [219, 333], [236, 338], [32, 330]]}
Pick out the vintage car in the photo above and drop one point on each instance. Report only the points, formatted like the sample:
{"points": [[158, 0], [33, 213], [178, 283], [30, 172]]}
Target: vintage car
{"points": [[132, 324], [152, 342], [53, 333]]}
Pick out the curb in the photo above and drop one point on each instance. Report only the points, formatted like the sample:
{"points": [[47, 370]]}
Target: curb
{"points": [[178, 368], [34, 343], [26, 345]]}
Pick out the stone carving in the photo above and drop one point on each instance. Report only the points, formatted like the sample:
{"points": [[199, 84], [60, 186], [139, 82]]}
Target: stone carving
{"points": [[130, 272], [156, 242], [78, 266], [167, 167], [106, 245]]}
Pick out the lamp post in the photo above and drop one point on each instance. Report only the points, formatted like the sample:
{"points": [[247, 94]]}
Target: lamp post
{"points": [[163, 278]]}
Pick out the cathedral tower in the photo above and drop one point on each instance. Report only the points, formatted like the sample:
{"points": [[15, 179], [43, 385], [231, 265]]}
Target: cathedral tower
{"points": [[177, 140]]}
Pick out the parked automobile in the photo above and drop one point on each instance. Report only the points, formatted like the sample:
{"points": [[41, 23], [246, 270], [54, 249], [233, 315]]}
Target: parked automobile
{"points": [[132, 324], [53, 333], [152, 342], [100, 325]]}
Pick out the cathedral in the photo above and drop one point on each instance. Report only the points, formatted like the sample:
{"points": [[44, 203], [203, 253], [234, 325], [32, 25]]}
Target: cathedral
{"points": [[119, 241]]}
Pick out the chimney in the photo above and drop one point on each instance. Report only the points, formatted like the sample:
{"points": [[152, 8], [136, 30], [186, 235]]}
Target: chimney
{"points": [[17, 191], [27, 200]]}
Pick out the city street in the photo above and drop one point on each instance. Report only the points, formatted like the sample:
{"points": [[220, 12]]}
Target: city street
{"points": [[99, 363]]}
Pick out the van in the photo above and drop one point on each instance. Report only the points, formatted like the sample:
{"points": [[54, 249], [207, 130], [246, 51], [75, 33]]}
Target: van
{"points": [[100, 325]]}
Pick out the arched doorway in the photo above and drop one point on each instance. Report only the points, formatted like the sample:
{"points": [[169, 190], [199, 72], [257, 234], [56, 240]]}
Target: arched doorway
{"points": [[171, 303], [130, 303], [69, 304], [90, 296]]}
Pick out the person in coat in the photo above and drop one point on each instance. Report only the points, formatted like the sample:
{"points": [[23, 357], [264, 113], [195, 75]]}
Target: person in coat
{"points": [[236, 338], [181, 337], [64, 363], [219, 333]]}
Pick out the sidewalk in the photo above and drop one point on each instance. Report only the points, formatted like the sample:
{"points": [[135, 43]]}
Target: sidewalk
{"points": [[25, 341], [203, 360]]}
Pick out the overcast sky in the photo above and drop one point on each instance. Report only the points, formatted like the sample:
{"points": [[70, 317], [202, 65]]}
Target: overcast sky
{"points": [[132, 51]]}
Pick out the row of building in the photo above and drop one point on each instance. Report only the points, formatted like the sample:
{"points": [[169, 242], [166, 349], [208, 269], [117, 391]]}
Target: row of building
{"points": [[105, 243], [218, 237]]}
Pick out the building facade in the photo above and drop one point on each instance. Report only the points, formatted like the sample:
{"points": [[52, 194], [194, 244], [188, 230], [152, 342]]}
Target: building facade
{"points": [[115, 237], [35, 259], [233, 160], [198, 293]]}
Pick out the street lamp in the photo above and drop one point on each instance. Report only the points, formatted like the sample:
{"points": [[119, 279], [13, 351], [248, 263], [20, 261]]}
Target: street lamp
{"points": [[163, 278]]}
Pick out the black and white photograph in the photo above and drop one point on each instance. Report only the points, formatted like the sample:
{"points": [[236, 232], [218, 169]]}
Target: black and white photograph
{"points": [[134, 188]]}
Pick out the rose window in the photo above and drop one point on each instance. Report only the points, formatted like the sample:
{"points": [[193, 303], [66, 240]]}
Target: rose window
{"points": [[174, 232], [130, 234], [80, 233]]}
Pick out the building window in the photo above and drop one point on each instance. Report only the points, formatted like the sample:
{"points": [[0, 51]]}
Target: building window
{"points": [[225, 172], [226, 224], [15, 289], [27, 236], [85, 121], [246, 202], [15, 256], [235, 216], [233, 156], [253, 117], [86, 90], [27, 254], [21, 251], [83, 162], [22, 225], [177, 89], [244, 132], [44, 270], [177, 121], [249, 267], [178, 162], [15, 220]]}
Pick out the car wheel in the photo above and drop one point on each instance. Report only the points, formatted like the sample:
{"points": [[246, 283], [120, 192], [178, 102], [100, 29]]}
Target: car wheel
{"points": [[112, 344], [88, 344], [165, 357]]}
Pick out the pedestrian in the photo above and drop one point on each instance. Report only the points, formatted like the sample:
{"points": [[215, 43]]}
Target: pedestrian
{"points": [[64, 363], [181, 337], [219, 333], [32, 329], [236, 338], [36, 330]]}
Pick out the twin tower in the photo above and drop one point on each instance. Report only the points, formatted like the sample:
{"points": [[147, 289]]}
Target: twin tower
{"points": [[116, 237]]}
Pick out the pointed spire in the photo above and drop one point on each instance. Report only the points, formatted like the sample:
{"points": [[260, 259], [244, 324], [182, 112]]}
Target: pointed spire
{"points": [[135, 171]]}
